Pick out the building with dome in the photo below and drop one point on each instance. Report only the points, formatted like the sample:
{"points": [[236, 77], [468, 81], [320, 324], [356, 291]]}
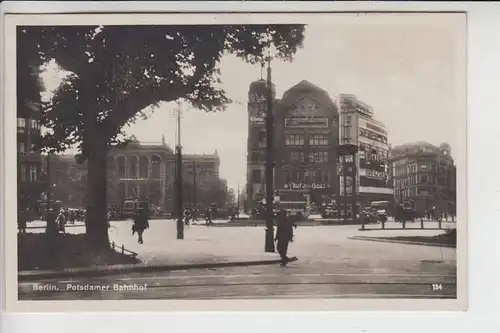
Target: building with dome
{"points": [[426, 174], [305, 142]]}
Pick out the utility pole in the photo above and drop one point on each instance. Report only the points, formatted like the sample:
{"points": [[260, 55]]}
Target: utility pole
{"points": [[180, 223], [49, 182], [269, 241]]}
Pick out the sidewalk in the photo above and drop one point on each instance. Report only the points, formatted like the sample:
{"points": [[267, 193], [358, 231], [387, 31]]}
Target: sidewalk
{"points": [[206, 247]]}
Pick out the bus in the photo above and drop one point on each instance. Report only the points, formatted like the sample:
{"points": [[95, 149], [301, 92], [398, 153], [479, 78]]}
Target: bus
{"points": [[381, 206], [295, 202]]}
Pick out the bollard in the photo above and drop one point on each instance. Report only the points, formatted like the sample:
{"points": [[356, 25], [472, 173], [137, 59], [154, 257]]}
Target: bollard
{"points": [[113, 245], [440, 223], [404, 223], [422, 223], [123, 249]]}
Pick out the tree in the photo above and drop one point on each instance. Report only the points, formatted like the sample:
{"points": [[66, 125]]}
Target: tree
{"points": [[117, 72]]}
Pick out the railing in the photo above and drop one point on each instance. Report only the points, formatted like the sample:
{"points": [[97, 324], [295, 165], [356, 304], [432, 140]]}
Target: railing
{"points": [[123, 250]]}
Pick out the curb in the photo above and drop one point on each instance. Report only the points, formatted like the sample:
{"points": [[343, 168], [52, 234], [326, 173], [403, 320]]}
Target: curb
{"points": [[139, 268], [380, 229], [382, 240]]}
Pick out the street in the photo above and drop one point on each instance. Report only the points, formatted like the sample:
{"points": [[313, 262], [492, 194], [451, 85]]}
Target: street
{"points": [[330, 266]]}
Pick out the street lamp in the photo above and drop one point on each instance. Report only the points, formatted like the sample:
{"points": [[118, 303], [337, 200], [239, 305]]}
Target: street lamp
{"points": [[178, 148], [269, 240]]}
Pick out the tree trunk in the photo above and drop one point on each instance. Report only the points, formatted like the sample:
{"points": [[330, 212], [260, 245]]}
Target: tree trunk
{"points": [[96, 220]]}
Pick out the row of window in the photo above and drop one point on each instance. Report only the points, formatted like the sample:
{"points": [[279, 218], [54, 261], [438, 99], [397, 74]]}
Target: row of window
{"points": [[414, 191], [21, 148], [29, 174], [414, 168], [420, 180], [22, 124], [373, 150], [312, 157], [298, 140], [372, 135]]}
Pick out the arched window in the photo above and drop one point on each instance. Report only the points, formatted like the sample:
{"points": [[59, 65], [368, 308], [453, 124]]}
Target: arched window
{"points": [[143, 167], [121, 166], [132, 167], [122, 193], [155, 167]]}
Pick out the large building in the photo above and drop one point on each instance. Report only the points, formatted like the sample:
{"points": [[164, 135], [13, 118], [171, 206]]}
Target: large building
{"points": [[359, 127], [148, 169], [426, 174], [305, 142], [30, 182]]}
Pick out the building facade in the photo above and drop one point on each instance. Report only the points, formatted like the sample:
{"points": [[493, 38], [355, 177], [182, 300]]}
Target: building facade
{"points": [[426, 174], [148, 169], [305, 142], [256, 141], [30, 181], [359, 127]]}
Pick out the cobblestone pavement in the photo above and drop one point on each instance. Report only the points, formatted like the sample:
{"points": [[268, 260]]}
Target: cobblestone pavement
{"points": [[329, 265]]}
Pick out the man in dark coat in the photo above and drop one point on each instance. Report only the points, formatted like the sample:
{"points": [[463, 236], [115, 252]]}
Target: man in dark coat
{"points": [[284, 235], [140, 223]]}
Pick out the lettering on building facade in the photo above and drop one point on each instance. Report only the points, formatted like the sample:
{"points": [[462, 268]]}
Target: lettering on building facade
{"points": [[305, 186]]}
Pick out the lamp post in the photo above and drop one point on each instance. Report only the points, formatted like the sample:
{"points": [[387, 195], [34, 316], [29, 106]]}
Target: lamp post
{"points": [[178, 148], [269, 240]]}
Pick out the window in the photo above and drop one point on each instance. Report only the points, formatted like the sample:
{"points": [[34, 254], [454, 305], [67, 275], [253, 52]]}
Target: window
{"points": [[296, 156], [35, 124], [21, 125], [262, 139], [23, 172], [21, 147], [33, 173], [294, 140], [347, 133], [256, 176], [318, 140], [318, 157], [21, 122], [348, 120]]}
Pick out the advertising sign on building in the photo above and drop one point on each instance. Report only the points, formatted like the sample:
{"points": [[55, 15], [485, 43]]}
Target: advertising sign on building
{"points": [[310, 122], [305, 186], [372, 174]]}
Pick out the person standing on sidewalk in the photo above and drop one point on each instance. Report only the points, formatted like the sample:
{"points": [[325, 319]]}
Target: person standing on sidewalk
{"points": [[140, 223], [284, 235]]}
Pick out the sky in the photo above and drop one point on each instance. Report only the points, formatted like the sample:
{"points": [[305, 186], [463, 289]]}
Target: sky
{"points": [[409, 73]]}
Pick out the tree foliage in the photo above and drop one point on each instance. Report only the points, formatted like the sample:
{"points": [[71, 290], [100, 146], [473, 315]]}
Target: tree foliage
{"points": [[118, 71]]}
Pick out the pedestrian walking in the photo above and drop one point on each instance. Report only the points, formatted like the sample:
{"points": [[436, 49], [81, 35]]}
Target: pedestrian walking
{"points": [[22, 221], [61, 221], [208, 216], [141, 223], [187, 217], [284, 235]]}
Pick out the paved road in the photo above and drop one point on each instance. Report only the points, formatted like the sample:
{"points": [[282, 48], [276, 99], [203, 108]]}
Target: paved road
{"points": [[299, 280], [329, 265]]}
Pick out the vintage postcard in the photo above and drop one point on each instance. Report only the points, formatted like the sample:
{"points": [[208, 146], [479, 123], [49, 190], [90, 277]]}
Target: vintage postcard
{"points": [[281, 161]]}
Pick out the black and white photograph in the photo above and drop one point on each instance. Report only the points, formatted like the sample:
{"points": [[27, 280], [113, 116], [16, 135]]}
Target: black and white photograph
{"points": [[238, 157]]}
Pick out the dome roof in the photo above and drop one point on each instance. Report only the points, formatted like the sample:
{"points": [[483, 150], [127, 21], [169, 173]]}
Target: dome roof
{"points": [[260, 87], [444, 145], [305, 87]]}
